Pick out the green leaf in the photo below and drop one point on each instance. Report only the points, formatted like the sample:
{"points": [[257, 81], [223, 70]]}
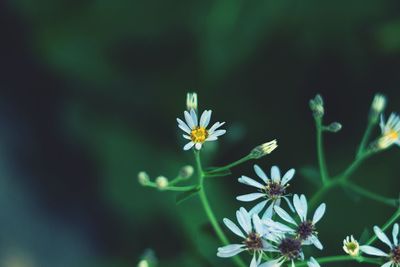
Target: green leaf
{"points": [[186, 195], [311, 174]]}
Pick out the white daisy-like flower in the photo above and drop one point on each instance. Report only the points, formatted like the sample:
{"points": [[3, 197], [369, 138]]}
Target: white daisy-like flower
{"points": [[304, 230], [254, 235], [390, 131], [351, 246], [313, 262], [394, 254], [196, 131], [289, 249], [270, 191]]}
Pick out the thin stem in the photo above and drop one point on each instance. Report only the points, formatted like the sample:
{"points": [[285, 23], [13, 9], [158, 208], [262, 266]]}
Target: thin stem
{"points": [[173, 188], [391, 220], [368, 194], [209, 212], [341, 258], [320, 151], [365, 138], [231, 165]]}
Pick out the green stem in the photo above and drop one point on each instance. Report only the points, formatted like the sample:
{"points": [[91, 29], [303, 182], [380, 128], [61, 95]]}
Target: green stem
{"points": [[320, 151], [368, 194], [391, 220], [341, 258], [231, 165], [209, 212], [173, 188], [365, 138]]}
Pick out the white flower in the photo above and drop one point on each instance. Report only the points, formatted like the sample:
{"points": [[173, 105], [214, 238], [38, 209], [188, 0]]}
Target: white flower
{"points": [[351, 246], [289, 249], [254, 236], [305, 229], [390, 131], [394, 254], [312, 263], [271, 190], [196, 131]]}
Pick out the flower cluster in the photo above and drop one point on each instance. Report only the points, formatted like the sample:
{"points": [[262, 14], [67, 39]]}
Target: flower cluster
{"points": [[274, 241]]}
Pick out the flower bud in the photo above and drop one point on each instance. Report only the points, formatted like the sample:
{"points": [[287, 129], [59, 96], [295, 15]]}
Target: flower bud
{"points": [[317, 106], [351, 246], [161, 182], [143, 178], [186, 171], [264, 149], [143, 263], [377, 107], [191, 101], [334, 127]]}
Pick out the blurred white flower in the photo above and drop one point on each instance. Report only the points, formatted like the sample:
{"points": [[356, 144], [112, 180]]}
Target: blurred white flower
{"points": [[390, 131], [351, 246]]}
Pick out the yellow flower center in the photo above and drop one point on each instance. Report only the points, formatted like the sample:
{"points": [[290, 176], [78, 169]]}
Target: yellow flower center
{"points": [[393, 135], [353, 248], [199, 135]]}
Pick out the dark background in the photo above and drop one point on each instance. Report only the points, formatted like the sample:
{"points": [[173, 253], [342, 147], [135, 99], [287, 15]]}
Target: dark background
{"points": [[89, 95]]}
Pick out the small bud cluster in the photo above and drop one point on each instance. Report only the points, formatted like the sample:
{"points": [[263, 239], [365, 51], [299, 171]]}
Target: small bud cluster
{"points": [[317, 106]]}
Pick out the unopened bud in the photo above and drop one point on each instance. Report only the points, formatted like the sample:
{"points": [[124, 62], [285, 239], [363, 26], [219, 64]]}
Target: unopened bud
{"points": [[161, 182], [186, 171], [334, 127], [143, 178], [143, 263], [377, 107], [317, 106], [264, 149], [191, 101]]}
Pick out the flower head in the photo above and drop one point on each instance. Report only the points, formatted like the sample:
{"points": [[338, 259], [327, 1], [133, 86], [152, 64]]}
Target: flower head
{"points": [[196, 131], [143, 178], [351, 246], [390, 132], [254, 236], [161, 182], [186, 171], [394, 254], [304, 230], [272, 190], [317, 106]]}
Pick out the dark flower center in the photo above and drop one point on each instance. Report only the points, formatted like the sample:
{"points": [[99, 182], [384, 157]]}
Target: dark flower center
{"points": [[275, 190], [253, 242], [305, 230], [290, 248], [395, 255]]}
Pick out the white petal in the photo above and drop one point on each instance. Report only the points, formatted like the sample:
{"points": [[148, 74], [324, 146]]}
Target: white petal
{"points": [[312, 263], [272, 263], [388, 264], [382, 123], [277, 226], [248, 181], [260, 173], [258, 225], [215, 126], [211, 138], [316, 242], [218, 133], [244, 220], [289, 204], [298, 206], [395, 234], [233, 227], [186, 137], [205, 118], [275, 174], [198, 146], [288, 176], [188, 146], [250, 197], [189, 120], [284, 215], [269, 211], [194, 117], [230, 250], [304, 205], [382, 236], [253, 262], [373, 251], [319, 213], [257, 208], [183, 126]]}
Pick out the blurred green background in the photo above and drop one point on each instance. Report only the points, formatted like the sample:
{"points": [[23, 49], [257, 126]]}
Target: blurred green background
{"points": [[90, 91]]}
